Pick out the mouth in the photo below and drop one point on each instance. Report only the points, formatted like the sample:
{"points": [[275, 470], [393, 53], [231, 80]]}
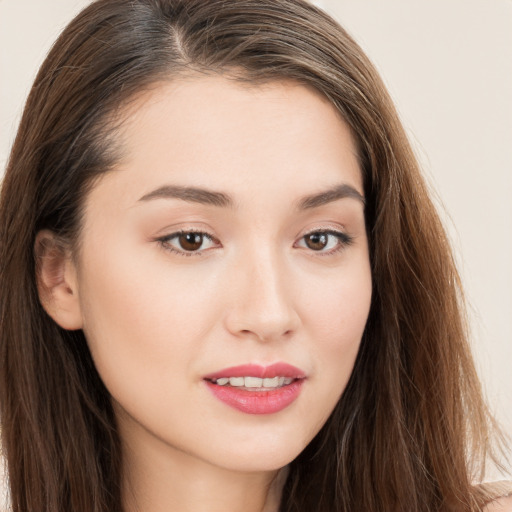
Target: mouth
{"points": [[254, 389], [255, 384]]}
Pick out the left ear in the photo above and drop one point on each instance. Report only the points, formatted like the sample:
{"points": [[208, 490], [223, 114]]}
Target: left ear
{"points": [[57, 281]]}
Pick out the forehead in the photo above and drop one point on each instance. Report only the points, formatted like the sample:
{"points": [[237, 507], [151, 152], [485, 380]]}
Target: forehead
{"points": [[213, 132]]}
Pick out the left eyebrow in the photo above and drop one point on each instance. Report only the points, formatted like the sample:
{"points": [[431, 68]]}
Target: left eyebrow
{"points": [[190, 194], [330, 195]]}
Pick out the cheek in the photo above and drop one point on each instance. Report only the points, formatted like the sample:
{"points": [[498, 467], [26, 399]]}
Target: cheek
{"points": [[337, 314], [137, 314], [134, 289]]}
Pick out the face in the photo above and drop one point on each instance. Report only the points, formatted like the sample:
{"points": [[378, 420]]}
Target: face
{"points": [[229, 242]]}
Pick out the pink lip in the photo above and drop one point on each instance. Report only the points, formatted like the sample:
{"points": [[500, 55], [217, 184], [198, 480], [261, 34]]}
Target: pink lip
{"points": [[258, 402], [254, 370]]}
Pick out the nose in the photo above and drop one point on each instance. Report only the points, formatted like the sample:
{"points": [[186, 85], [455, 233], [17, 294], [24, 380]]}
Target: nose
{"points": [[261, 299]]}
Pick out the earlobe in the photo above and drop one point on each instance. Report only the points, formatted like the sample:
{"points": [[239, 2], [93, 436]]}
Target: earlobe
{"points": [[57, 281]]}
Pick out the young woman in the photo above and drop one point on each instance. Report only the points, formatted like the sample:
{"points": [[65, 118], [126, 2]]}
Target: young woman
{"points": [[223, 284]]}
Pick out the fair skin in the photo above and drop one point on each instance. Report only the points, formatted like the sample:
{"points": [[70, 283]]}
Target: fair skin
{"points": [[501, 505], [278, 271]]}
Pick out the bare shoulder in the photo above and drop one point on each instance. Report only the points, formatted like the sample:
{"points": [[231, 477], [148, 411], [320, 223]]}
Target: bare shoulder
{"points": [[500, 505]]}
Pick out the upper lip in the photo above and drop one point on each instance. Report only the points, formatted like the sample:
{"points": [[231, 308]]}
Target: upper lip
{"points": [[255, 370]]}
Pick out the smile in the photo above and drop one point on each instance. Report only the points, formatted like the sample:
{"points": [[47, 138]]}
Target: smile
{"points": [[254, 389], [254, 383]]}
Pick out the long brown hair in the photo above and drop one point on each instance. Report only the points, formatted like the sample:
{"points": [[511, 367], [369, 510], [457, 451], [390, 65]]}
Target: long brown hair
{"points": [[411, 428]]}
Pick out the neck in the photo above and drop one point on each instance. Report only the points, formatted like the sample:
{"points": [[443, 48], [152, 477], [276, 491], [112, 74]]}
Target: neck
{"points": [[170, 480]]}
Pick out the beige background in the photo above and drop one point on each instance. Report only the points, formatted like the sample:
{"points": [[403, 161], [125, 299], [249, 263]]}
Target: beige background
{"points": [[448, 65]]}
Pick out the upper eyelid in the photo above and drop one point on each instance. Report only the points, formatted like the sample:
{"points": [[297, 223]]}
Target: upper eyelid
{"points": [[183, 231], [325, 230]]}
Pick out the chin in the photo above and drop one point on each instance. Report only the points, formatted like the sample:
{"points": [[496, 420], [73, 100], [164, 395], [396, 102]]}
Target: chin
{"points": [[260, 455]]}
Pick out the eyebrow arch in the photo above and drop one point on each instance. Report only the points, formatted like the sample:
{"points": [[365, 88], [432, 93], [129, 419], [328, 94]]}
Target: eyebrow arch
{"points": [[220, 199], [330, 195], [190, 194]]}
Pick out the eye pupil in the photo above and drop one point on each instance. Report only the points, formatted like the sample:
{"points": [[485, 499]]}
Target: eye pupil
{"points": [[191, 241], [316, 241]]}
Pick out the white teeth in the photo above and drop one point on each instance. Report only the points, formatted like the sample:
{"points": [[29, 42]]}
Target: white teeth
{"points": [[236, 381], [254, 382], [271, 383]]}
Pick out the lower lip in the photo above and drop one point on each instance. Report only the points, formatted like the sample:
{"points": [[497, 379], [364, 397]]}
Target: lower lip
{"points": [[257, 402]]}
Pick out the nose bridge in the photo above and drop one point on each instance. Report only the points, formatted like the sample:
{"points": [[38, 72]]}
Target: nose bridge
{"points": [[262, 300]]}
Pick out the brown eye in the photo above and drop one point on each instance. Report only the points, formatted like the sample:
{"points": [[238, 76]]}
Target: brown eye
{"points": [[325, 242], [316, 241], [190, 241]]}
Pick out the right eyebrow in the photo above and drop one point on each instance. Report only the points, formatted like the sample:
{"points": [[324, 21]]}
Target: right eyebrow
{"points": [[190, 194], [341, 191]]}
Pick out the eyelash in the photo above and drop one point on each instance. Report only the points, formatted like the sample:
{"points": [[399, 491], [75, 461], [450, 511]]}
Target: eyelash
{"points": [[344, 241]]}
